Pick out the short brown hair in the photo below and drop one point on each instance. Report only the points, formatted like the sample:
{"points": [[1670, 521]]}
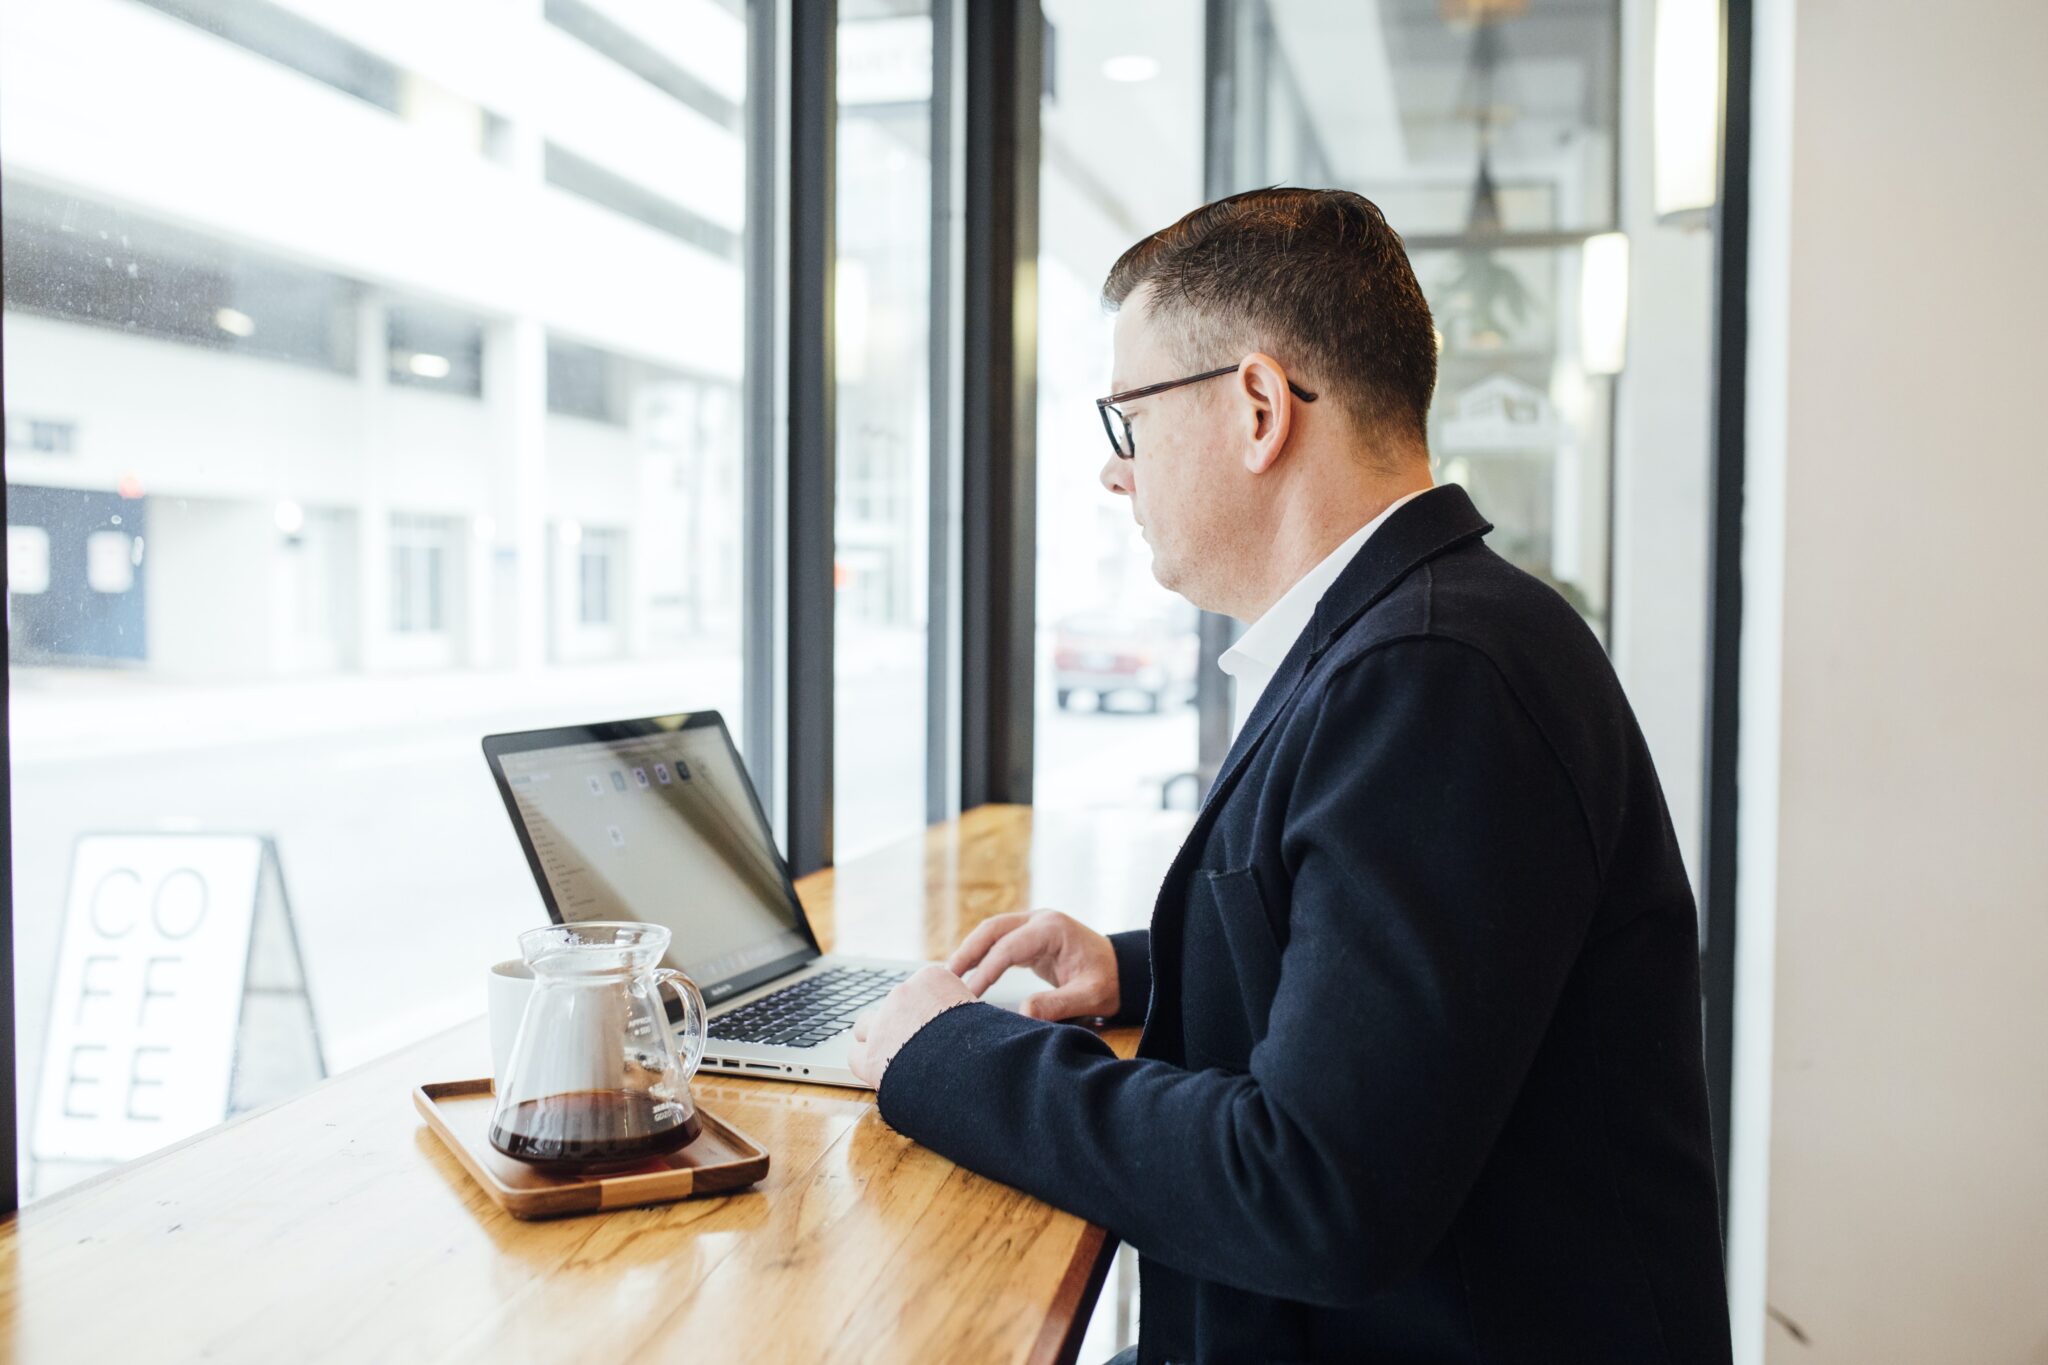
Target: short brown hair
{"points": [[1315, 275]]}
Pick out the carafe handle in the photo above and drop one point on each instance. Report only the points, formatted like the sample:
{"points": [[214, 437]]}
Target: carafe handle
{"points": [[696, 1027]]}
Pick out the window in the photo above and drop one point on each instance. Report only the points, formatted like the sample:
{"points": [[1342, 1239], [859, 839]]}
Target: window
{"points": [[1490, 142], [419, 556], [435, 349], [110, 561], [1117, 653], [594, 597], [28, 561], [44, 438], [585, 382], [1572, 386], [882, 523], [318, 343]]}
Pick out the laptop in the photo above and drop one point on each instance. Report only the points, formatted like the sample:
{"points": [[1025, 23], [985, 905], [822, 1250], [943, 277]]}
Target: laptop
{"points": [[654, 820]]}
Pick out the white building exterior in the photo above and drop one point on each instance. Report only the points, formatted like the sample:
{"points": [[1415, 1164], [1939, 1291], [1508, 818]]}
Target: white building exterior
{"points": [[306, 517]]}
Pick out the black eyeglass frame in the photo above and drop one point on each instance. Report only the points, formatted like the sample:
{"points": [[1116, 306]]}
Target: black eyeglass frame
{"points": [[1128, 450]]}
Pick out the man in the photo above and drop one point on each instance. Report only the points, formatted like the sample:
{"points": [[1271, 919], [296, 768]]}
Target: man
{"points": [[1421, 1072]]}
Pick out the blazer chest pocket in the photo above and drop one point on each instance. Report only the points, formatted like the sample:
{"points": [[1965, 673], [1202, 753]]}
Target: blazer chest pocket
{"points": [[1230, 969]]}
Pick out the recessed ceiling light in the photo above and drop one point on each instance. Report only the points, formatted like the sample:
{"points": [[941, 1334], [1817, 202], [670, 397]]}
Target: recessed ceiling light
{"points": [[234, 322], [428, 366], [290, 517], [1131, 68]]}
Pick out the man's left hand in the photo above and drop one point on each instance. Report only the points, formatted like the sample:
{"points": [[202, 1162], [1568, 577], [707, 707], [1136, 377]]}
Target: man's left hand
{"points": [[880, 1034]]}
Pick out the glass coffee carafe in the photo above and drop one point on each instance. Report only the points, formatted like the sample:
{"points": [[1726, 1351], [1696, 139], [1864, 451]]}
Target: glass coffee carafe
{"points": [[595, 1081]]}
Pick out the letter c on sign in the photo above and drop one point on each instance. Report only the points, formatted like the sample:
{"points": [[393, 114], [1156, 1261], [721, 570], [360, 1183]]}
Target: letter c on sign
{"points": [[179, 905], [130, 881]]}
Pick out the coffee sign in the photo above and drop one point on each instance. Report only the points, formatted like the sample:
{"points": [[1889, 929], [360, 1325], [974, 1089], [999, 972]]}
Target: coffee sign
{"points": [[149, 993]]}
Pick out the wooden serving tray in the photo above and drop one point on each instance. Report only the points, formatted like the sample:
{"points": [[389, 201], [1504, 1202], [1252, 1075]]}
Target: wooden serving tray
{"points": [[721, 1158]]}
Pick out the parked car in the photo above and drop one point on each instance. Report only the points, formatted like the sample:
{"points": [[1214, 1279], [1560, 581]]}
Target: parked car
{"points": [[1106, 654]]}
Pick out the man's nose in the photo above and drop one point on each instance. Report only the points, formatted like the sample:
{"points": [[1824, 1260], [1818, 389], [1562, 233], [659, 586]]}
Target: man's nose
{"points": [[1116, 475]]}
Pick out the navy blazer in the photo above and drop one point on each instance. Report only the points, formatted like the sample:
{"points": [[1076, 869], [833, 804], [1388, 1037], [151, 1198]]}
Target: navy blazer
{"points": [[1421, 1076]]}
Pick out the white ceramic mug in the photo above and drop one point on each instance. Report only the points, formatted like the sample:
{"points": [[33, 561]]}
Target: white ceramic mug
{"points": [[511, 986], [511, 983]]}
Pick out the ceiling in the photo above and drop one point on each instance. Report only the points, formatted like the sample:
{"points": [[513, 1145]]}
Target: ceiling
{"points": [[1391, 90]]}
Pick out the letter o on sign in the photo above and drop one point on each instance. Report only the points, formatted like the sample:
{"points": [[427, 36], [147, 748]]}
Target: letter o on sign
{"points": [[179, 906], [108, 898]]}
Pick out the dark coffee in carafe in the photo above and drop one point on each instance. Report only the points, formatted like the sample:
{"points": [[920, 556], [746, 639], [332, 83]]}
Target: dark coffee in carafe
{"points": [[587, 1130]]}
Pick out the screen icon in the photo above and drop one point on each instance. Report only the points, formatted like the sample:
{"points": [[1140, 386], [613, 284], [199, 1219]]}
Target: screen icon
{"points": [[661, 773], [618, 837], [596, 787], [618, 780], [640, 776]]}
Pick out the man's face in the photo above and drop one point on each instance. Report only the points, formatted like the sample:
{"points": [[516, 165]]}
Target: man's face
{"points": [[1188, 474]]}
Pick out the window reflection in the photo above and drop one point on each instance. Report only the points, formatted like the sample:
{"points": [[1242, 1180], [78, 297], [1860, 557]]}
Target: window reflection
{"points": [[1486, 132]]}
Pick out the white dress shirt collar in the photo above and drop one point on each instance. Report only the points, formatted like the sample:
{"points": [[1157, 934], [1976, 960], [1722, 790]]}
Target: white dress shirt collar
{"points": [[1252, 661]]}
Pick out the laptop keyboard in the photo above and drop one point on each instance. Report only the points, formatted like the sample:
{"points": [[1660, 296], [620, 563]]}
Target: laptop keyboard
{"points": [[811, 1011]]}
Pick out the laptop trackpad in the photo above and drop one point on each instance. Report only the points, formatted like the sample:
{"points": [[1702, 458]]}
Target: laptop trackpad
{"points": [[1014, 987]]}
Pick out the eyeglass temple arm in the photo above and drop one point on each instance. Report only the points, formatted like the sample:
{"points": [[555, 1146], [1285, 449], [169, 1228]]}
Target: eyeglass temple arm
{"points": [[1148, 390]]}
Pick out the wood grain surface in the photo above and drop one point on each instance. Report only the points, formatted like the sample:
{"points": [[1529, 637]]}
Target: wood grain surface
{"points": [[337, 1227]]}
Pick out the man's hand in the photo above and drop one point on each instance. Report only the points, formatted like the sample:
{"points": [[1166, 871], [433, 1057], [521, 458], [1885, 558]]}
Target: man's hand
{"points": [[880, 1033], [1078, 962]]}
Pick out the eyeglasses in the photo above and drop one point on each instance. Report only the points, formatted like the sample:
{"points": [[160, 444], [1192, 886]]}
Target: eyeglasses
{"points": [[1105, 406]]}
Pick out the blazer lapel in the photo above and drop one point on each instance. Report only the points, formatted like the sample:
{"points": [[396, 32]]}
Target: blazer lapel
{"points": [[1272, 702]]}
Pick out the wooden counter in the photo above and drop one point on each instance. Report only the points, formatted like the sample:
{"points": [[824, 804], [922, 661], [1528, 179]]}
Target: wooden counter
{"points": [[336, 1227]]}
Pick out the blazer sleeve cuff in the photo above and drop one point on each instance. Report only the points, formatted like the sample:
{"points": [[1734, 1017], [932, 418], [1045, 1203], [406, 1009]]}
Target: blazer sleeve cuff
{"points": [[1133, 975], [922, 1092]]}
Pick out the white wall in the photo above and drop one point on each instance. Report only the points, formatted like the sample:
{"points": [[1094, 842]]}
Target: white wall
{"points": [[1895, 766], [154, 410]]}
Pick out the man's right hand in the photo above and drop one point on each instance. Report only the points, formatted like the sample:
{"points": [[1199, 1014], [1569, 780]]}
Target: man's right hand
{"points": [[1079, 963]]}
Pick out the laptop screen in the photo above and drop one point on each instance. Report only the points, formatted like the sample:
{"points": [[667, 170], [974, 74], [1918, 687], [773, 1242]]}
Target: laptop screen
{"points": [[655, 821]]}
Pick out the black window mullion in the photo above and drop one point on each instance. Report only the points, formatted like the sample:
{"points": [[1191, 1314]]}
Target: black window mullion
{"points": [[1220, 122], [762, 637], [806, 763], [1724, 581], [1005, 57], [942, 642]]}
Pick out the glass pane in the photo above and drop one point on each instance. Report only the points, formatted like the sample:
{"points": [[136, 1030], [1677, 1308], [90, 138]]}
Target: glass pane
{"points": [[1486, 131], [373, 384], [1572, 393], [1449, 114], [882, 300], [1517, 419], [1116, 652]]}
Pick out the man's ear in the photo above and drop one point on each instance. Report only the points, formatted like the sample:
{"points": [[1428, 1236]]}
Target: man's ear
{"points": [[1266, 412]]}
